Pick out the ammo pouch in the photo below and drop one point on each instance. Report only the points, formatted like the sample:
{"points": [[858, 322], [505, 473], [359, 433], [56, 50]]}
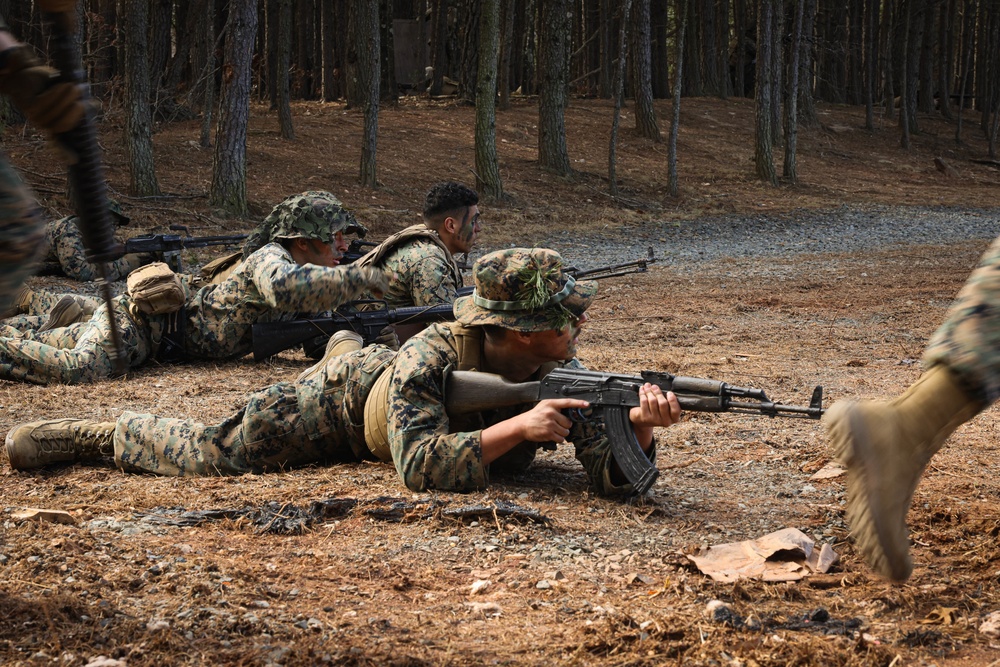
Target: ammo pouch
{"points": [[155, 289]]}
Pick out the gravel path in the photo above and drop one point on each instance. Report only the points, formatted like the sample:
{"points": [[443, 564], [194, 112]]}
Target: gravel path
{"points": [[846, 229]]}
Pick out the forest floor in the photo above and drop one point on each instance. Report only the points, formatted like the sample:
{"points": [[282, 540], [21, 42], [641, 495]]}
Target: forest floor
{"points": [[343, 565]]}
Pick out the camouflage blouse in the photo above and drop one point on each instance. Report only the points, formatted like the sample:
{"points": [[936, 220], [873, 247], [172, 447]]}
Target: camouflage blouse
{"points": [[267, 287], [420, 274], [433, 451]]}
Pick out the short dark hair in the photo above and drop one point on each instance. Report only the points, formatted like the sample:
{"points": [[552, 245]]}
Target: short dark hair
{"points": [[448, 197]]}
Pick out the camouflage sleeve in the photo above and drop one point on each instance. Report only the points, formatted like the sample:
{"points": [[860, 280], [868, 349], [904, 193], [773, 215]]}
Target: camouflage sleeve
{"points": [[593, 450], [308, 288], [433, 282], [426, 455]]}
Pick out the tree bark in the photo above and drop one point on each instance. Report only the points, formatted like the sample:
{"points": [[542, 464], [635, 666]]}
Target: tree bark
{"points": [[645, 113], [554, 35], [282, 66], [229, 165], [675, 121], [618, 91], [790, 169], [365, 28], [208, 96], [138, 117], [487, 165], [389, 89], [764, 97], [807, 101], [330, 84], [506, 45]]}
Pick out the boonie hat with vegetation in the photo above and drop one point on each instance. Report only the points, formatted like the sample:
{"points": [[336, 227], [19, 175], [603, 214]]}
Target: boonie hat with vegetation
{"points": [[524, 289]]}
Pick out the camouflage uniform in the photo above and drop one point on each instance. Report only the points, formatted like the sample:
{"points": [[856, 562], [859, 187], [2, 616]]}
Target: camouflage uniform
{"points": [[65, 243], [431, 450], [22, 232], [317, 420], [968, 342], [216, 321], [421, 270]]}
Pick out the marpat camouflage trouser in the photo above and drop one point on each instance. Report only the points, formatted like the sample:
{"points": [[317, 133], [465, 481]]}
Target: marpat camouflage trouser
{"points": [[39, 305], [27, 328], [968, 342], [31, 360], [22, 232], [319, 420]]}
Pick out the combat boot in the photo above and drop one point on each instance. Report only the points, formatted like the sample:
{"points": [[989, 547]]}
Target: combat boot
{"points": [[42, 443], [886, 447], [67, 311], [341, 342], [19, 304]]}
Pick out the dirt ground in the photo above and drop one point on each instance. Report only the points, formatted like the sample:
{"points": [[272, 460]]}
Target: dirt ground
{"points": [[343, 565]]}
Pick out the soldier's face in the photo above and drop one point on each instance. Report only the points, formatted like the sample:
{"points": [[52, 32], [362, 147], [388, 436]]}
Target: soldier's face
{"points": [[468, 230], [313, 251], [558, 345]]}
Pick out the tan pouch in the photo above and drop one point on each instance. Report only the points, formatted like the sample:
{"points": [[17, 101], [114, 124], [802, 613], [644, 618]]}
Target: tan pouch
{"points": [[155, 289], [221, 268]]}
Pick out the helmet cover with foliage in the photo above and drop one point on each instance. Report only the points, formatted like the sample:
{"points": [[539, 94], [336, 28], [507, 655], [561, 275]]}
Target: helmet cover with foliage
{"points": [[314, 214]]}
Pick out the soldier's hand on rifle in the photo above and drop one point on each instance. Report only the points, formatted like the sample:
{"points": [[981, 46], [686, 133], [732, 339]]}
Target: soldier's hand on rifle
{"points": [[50, 103], [387, 336], [547, 421], [656, 408]]}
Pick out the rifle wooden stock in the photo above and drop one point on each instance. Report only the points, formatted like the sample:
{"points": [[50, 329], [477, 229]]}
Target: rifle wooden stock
{"points": [[611, 397], [269, 338]]}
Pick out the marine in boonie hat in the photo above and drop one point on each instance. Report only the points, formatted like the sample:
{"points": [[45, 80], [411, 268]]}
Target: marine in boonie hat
{"points": [[116, 210], [314, 214], [524, 289]]}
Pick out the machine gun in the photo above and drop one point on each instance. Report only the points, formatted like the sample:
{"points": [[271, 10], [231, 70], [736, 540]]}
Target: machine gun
{"points": [[168, 246], [611, 397], [270, 338]]}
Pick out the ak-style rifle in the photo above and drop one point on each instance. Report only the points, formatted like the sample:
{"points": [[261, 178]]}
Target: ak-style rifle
{"points": [[611, 396]]}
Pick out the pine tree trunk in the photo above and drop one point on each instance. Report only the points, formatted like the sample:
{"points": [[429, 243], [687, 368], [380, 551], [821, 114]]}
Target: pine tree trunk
{"points": [[506, 45], [365, 27], [645, 114], [869, 50], [807, 102], [554, 36], [229, 165], [790, 169], [740, 29], [764, 97], [675, 121], [438, 41], [946, 43], [710, 48], [138, 120], [605, 84], [487, 165], [618, 91], [331, 86], [388, 88], [283, 63], [208, 96]]}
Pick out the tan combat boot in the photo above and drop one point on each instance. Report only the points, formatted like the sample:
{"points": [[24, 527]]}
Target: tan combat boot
{"points": [[42, 443], [886, 447], [341, 342], [19, 304], [67, 311]]}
